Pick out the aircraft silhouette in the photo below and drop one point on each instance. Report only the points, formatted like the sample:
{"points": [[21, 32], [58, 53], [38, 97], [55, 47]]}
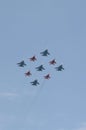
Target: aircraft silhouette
{"points": [[40, 68], [47, 76], [35, 82], [59, 68], [33, 58], [28, 73], [21, 64], [52, 62], [45, 53]]}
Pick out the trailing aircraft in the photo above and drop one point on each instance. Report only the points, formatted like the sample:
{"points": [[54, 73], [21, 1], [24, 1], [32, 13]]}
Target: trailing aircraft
{"points": [[40, 68], [21, 64], [35, 82], [59, 68], [45, 53]]}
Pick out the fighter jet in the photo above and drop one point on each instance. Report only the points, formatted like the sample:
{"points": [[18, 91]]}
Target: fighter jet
{"points": [[59, 68], [28, 73], [21, 64], [45, 53], [35, 82], [52, 62], [47, 76], [33, 58], [40, 68]]}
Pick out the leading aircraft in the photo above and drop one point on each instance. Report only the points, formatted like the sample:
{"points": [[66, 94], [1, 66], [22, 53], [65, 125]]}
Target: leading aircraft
{"points": [[40, 68], [45, 53], [21, 64], [59, 68], [35, 82]]}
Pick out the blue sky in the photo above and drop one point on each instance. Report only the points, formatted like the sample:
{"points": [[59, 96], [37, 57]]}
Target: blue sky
{"points": [[28, 27]]}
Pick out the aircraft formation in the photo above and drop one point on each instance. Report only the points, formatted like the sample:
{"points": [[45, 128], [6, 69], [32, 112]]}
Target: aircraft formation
{"points": [[40, 68]]}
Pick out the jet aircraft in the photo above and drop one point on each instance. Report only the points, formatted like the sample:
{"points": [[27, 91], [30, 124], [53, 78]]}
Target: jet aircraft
{"points": [[59, 68], [52, 62], [35, 82], [47, 76], [28, 73], [40, 68], [21, 64], [45, 53], [33, 58]]}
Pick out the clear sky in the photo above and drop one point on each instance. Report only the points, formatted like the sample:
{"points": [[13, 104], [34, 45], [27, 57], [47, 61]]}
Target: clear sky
{"points": [[28, 27]]}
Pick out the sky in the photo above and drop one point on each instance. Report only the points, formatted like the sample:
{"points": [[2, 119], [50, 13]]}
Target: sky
{"points": [[27, 27]]}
